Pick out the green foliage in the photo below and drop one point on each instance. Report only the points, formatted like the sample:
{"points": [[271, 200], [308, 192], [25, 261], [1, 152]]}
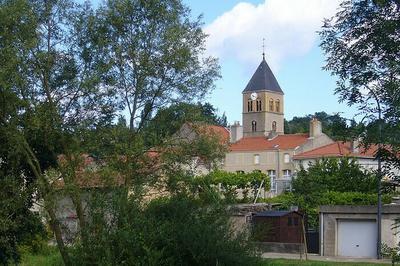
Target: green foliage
{"points": [[154, 53], [68, 71], [309, 203], [391, 252], [330, 174], [333, 125], [229, 182], [179, 230], [51, 257], [169, 120], [330, 182], [361, 45], [19, 226]]}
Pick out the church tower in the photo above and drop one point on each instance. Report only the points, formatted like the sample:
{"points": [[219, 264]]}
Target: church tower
{"points": [[262, 104]]}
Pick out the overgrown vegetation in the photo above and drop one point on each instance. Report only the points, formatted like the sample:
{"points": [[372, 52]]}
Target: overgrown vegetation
{"points": [[331, 181], [333, 125], [231, 184], [361, 44], [68, 71]]}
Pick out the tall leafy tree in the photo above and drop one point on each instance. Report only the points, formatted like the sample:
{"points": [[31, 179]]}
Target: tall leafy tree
{"points": [[49, 86], [362, 43], [155, 53], [169, 120], [333, 125], [68, 70]]}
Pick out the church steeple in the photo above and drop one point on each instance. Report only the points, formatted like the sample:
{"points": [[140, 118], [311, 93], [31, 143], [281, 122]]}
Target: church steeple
{"points": [[263, 103], [263, 80]]}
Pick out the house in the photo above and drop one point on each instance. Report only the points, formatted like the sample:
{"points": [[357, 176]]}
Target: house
{"points": [[338, 149], [365, 157], [351, 231]]}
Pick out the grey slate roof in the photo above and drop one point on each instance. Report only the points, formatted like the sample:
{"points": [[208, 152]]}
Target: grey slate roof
{"points": [[272, 213], [263, 79]]}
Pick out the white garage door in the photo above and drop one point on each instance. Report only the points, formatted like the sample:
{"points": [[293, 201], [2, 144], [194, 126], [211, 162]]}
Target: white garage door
{"points": [[357, 238]]}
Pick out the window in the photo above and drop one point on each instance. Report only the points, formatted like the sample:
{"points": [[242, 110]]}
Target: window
{"points": [[289, 221], [272, 176], [287, 173], [259, 106], [277, 106], [249, 106], [271, 104], [295, 221], [256, 159], [286, 158], [253, 126], [272, 173], [274, 126]]}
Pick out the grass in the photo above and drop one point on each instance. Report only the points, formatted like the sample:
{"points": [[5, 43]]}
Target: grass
{"points": [[50, 258], [288, 262], [53, 258]]}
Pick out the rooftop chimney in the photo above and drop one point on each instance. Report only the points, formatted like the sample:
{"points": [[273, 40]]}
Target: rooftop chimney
{"points": [[355, 146], [236, 132], [315, 128]]}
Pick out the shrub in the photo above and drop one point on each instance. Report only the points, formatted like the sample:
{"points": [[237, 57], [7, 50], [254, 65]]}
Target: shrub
{"points": [[176, 230]]}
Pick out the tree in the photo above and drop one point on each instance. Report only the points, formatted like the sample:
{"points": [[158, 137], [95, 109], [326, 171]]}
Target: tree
{"points": [[332, 125], [361, 43], [60, 89], [330, 174], [153, 52], [169, 120], [331, 181]]}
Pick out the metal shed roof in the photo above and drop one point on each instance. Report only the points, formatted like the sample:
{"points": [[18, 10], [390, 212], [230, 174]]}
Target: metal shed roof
{"points": [[273, 213]]}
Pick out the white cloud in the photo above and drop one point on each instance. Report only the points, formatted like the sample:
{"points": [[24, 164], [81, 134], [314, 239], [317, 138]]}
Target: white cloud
{"points": [[289, 27]]}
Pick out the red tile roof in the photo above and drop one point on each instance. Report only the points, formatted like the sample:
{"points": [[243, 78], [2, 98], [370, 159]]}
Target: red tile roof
{"points": [[219, 130], [288, 141], [214, 130], [337, 149]]}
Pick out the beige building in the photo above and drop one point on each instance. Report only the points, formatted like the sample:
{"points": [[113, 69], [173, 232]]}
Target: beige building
{"points": [[260, 143]]}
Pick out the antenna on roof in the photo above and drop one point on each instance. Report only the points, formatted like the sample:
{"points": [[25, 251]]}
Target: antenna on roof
{"points": [[263, 46]]}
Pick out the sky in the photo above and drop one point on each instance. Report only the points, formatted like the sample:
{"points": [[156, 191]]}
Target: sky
{"points": [[236, 30]]}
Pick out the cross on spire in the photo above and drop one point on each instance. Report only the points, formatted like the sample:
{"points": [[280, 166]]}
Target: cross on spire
{"points": [[263, 46]]}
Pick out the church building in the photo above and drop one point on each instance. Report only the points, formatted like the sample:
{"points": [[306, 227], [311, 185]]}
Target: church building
{"points": [[259, 143]]}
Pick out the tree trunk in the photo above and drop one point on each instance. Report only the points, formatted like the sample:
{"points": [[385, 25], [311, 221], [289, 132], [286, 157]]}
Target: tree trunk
{"points": [[55, 226]]}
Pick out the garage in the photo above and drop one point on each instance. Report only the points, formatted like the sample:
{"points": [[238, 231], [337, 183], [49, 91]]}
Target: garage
{"points": [[357, 238], [351, 231]]}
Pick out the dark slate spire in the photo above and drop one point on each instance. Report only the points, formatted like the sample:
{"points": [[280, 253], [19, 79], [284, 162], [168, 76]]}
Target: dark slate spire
{"points": [[263, 80]]}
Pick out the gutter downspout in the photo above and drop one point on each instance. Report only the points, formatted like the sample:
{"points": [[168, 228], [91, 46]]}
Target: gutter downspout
{"points": [[278, 174], [321, 221]]}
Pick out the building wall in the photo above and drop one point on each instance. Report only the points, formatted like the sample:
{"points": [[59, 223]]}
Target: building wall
{"points": [[329, 226], [314, 142], [269, 160], [265, 117]]}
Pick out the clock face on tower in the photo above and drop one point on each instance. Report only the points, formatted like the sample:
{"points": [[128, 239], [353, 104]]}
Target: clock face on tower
{"points": [[253, 96]]}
